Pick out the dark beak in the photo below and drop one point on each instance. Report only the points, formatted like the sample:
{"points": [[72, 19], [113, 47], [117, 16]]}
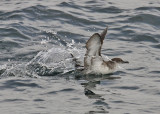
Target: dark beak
{"points": [[125, 62]]}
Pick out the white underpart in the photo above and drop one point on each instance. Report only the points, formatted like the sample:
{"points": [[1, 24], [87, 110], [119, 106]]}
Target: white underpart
{"points": [[98, 68]]}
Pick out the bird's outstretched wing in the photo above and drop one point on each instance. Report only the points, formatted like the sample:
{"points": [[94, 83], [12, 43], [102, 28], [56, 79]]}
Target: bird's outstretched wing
{"points": [[93, 47]]}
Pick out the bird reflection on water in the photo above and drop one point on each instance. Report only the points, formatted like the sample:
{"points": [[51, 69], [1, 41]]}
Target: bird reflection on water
{"points": [[92, 81]]}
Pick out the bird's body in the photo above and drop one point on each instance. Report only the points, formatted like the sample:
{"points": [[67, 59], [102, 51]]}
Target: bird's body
{"points": [[101, 67]]}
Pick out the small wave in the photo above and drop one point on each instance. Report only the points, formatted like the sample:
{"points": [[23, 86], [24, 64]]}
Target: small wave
{"points": [[110, 9], [16, 14], [1, 12], [138, 68], [69, 5], [148, 8], [27, 31], [9, 45], [155, 72], [38, 100], [13, 33], [144, 37], [156, 46], [31, 13], [40, 12], [67, 90], [16, 83], [145, 18], [127, 87], [13, 100]]}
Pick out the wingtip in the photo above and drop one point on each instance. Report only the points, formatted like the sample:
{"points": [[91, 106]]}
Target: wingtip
{"points": [[103, 34]]}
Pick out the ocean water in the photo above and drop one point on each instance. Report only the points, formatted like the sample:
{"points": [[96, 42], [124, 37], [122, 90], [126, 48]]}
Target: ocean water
{"points": [[37, 74]]}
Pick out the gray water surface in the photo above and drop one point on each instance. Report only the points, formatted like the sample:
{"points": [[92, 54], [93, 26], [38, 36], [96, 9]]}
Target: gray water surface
{"points": [[37, 74]]}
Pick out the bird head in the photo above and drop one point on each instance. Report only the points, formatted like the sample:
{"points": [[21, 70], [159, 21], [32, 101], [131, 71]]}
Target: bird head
{"points": [[119, 60]]}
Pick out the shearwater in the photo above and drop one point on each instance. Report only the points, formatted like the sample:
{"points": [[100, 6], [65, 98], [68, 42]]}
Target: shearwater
{"points": [[93, 61]]}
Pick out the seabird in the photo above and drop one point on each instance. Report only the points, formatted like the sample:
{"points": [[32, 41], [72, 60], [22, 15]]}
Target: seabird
{"points": [[93, 61]]}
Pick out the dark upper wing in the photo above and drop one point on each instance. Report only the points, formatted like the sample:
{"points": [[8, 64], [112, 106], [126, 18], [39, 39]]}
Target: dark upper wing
{"points": [[93, 46]]}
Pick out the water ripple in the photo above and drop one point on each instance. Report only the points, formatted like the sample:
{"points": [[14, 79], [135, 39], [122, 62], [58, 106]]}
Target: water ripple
{"points": [[9, 45], [127, 87], [18, 83], [145, 18], [145, 38], [14, 33], [148, 8], [111, 9], [13, 100], [38, 100], [156, 46], [67, 90], [69, 5]]}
